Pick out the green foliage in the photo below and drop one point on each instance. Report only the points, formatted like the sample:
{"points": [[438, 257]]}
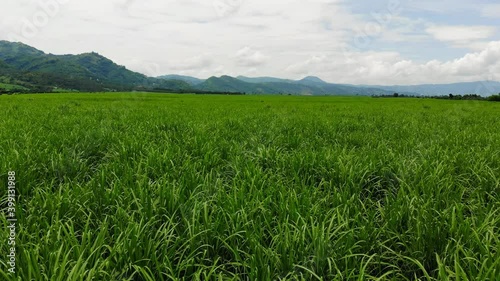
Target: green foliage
{"points": [[468, 97], [494, 98], [184, 187], [86, 72], [11, 87]]}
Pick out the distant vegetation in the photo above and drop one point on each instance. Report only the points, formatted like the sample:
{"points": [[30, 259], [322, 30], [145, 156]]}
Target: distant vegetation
{"points": [[481, 88], [448, 97], [494, 98], [198, 92]]}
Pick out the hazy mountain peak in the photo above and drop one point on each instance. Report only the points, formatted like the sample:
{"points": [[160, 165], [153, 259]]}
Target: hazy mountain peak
{"points": [[263, 79], [94, 54], [188, 79], [312, 79]]}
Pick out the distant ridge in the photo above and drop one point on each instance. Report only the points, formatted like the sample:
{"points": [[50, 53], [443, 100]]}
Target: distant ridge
{"points": [[312, 80], [188, 79], [308, 86], [264, 80], [483, 88], [24, 68]]}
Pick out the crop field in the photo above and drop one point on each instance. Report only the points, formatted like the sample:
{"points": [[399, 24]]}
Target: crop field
{"points": [[133, 186]]}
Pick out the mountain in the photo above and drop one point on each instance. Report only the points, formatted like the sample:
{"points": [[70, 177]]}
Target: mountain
{"points": [[27, 69], [307, 86], [312, 80], [483, 88], [4, 68], [263, 80], [233, 85], [39, 71], [103, 69], [188, 79], [35, 67], [312, 85]]}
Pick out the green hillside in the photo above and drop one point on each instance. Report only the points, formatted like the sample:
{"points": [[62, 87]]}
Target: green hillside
{"points": [[231, 84], [85, 72], [307, 86], [190, 80]]}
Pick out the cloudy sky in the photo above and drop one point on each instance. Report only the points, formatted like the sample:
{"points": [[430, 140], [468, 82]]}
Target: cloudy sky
{"points": [[357, 42]]}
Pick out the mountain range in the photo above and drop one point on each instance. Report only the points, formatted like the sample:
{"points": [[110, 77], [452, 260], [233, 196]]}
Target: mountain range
{"points": [[27, 69], [483, 88], [315, 86]]}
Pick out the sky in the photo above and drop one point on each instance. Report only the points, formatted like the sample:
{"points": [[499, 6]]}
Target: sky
{"points": [[384, 42]]}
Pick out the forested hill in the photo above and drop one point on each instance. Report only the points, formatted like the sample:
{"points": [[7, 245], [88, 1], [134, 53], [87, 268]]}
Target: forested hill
{"points": [[28, 67]]}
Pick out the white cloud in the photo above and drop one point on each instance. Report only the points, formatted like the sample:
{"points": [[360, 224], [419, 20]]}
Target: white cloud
{"points": [[283, 38], [441, 6], [490, 10], [306, 67], [197, 62], [457, 33], [249, 57], [388, 68]]}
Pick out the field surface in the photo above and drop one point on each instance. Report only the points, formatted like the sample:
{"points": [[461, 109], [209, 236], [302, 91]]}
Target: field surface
{"points": [[131, 186]]}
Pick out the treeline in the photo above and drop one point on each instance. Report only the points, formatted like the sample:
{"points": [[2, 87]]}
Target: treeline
{"points": [[193, 91], [41, 90], [39, 82], [37, 89], [448, 97], [50, 89]]}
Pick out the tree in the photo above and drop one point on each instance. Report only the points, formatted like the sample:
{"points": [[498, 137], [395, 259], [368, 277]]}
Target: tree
{"points": [[494, 98], [395, 95]]}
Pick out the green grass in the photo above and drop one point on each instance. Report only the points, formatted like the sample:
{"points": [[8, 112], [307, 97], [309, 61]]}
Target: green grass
{"points": [[10, 87], [183, 187]]}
